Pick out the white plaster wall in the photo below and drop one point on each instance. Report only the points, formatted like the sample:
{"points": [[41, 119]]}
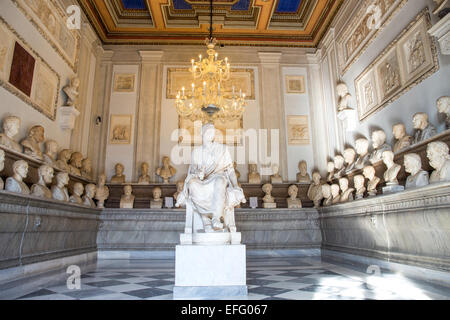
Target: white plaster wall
{"points": [[297, 105], [122, 104]]}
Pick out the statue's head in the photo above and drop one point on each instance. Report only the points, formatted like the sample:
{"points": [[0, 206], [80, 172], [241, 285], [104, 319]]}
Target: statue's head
{"points": [[37, 133], [20, 167], [316, 177], [399, 130], [335, 190], [180, 185], [11, 125], [339, 162], [46, 172], [443, 105], [78, 189], [127, 190], [166, 161], [303, 167], [326, 190], [75, 82], [157, 193], [62, 178], [341, 89], [330, 166], [65, 155], [358, 181], [90, 190], [119, 168], [2, 159], [208, 132], [378, 138], [362, 146], [86, 165], [144, 168], [76, 159], [267, 188], [343, 184], [413, 162], [275, 169], [437, 153], [349, 155], [369, 172], [252, 167], [420, 120], [388, 157], [293, 191], [102, 179]]}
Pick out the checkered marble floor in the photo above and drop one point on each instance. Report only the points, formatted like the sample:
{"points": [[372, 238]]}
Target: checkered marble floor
{"points": [[267, 279]]}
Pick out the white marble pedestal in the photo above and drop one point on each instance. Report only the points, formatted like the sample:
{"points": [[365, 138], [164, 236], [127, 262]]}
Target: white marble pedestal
{"points": [[210, 272]]}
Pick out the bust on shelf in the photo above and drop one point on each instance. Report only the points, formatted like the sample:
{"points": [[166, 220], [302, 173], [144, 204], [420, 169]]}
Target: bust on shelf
{"points": [[78, 190], [339, 166], [15, 183], [418, 177], [327, 196], [118, 177], [344, 97], [424, 130], [2, 166], [438, 154], [71, 91], [362, 149], [11, 126], [86, 169], [63, 159], [379, 145], [51, 152], [369, 173], [276, 178], [391, 173], [76, 162], [180, 187], [253, 175], [315, 190], [59, 190], [335, 193], [346, 192], [166, 171], [349, 158], [127, 199], [330, 170], [102, 192], [403, 141], [268, 199], [443, 106], [144, 178], [293, 202], [157, 201], [40, 189], [302, 175], [31, 144], [359, 181], [89, 194]]}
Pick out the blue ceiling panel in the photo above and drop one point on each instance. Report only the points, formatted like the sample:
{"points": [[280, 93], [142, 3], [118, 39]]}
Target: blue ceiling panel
{"points": [[181, 5], [134, 4], [288, 6], [241, 5]]}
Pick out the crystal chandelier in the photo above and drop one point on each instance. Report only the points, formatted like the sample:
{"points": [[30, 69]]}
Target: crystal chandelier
{"points": [[206, 99]]}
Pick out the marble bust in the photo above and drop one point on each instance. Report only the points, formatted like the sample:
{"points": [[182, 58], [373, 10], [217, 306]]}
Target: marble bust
{"points": [[144, 178], [89, 194], [86, 169], [327, 196], [424, 130], [59, 190], [75, 164], [31, 144], [362, 149], [78, 190], [63, 159], [166, 171], [344, 97], [438, 154], [71, 91], [51, 152], [157, 201], [118, 177], [268, 199], [335, 194], [346, 192], [330, 170], [443, 106], [102, 192], [180, 187], [339, 166], [390, 175], [2, 166], [302, 175], [11, 126], [315, 190], [15, 183], [359, 181], [379, 145], [418, 177], [293, 202], [40, 189], [253, 174], [369, 173], [349, 158], [276, 177], [127, 199], [403, 141]]}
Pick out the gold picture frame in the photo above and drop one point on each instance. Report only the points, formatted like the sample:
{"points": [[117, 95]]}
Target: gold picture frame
{"points": [[295, 84], [298, 130], [124, 82], [120, 129]]}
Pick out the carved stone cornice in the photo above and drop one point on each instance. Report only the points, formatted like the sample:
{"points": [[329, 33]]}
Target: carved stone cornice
{"points": [[441, 31], [151, 56]]}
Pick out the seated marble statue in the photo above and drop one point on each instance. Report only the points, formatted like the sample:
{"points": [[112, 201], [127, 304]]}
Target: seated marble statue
{"points": [[390, 175], [127, 199], [424, 130], [253, 175], [437, 153], [144, 178], [51, 152], [346, 192], [379, 145], [443, 106], [327, 196], [89, 194], [118, 177], [71, 91], [15, 183], [330, 170], [362, 149], [166, 171], [293, 202], [75, 164], [63, 159], [335, 194], [11, 126], [78, 190], [418, 177], [339, 166], [40, 189], [211, 189], [157, 201], [59, 190], [349, 159], [102, 192], [86, 169], [303, 175], [359, 181], [2, 166], [403, 141], [276, 177], [369, 173], [315, 190], [31, 144], [268, 199]]}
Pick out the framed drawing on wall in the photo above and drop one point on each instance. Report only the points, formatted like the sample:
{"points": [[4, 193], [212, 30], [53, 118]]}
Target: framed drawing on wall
{"points": [[124, 82], [298, 130], [120, 129], [295, 84]]}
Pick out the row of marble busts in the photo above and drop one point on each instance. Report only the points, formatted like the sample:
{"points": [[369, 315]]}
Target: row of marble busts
{"points": [[439, 160], [127, 199], [166, 172], [66, 160], [293, 202]]}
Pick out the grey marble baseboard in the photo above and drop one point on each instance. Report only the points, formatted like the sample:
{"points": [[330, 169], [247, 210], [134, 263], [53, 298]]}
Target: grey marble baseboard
{"points": [[210, 293]]}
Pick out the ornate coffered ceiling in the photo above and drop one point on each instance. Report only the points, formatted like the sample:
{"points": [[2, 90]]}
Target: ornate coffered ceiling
{"points": [[299, 23]]}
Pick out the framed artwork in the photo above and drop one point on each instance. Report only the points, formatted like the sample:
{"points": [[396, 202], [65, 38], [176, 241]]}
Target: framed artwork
{"points": [[295, 84], [120, 129], [124, 82], [298, 130], [22, 69], [240, 78], [229, 132], [406, 62]]}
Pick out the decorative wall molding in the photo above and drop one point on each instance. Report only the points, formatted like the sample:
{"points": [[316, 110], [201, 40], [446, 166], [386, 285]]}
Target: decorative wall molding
{"points": [[441, 31]]}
